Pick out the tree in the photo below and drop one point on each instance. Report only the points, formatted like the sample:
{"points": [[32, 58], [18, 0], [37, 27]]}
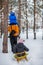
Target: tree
{"points": [[26, 20], [5, 39], [42, 21], [0, 17], [19, 13], [0, 4], [34, 19]]}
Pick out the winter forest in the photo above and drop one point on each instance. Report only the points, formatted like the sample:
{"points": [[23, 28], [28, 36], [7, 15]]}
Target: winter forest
{"points": [[29, 17]]}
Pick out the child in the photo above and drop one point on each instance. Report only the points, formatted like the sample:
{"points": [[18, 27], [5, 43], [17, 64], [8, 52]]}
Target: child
{"points": [[20, 47]]}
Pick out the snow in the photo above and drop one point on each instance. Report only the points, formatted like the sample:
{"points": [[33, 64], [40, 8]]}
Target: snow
{"points": [[35, 54]]}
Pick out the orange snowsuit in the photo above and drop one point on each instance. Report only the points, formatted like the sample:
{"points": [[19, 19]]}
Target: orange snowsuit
{"points": [[15, 28]]}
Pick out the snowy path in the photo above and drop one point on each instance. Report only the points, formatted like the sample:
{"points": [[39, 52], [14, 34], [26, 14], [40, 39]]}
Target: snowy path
{"points": [[35, 56]]}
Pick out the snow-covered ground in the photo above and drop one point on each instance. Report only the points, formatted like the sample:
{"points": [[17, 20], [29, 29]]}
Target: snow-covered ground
{"points": [[35, 56]]}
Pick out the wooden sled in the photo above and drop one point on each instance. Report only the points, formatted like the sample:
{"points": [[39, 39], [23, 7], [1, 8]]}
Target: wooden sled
{"points": [[21, 57]]}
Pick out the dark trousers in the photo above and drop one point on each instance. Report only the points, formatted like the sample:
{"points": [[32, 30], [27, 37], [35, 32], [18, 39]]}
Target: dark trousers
{"points": [[13, 41]]}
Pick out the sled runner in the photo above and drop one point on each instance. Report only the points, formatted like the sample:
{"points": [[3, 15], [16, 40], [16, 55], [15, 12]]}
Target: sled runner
{"points": [[21, 56]]}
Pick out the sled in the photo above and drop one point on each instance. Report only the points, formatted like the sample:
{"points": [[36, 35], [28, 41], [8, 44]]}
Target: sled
{"points": [[21, 57]]}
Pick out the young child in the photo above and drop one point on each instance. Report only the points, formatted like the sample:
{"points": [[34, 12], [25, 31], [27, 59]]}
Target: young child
{"points": [[20, 47]]}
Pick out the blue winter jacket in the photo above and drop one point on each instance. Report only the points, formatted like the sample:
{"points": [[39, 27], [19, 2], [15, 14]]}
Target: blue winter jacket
{"points": [[12, 18]]}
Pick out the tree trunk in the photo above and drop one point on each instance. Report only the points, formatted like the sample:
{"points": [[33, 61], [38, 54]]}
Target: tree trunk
{"points": [[0, 4], [42, 21], [19, 13], [0, 25], [42, 27], [34, 19], [0, 17], [5, 39], [26, 20]]}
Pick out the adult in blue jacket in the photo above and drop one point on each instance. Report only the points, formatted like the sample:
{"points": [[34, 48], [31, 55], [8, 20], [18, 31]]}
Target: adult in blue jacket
{"points": [[13, 29]]}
